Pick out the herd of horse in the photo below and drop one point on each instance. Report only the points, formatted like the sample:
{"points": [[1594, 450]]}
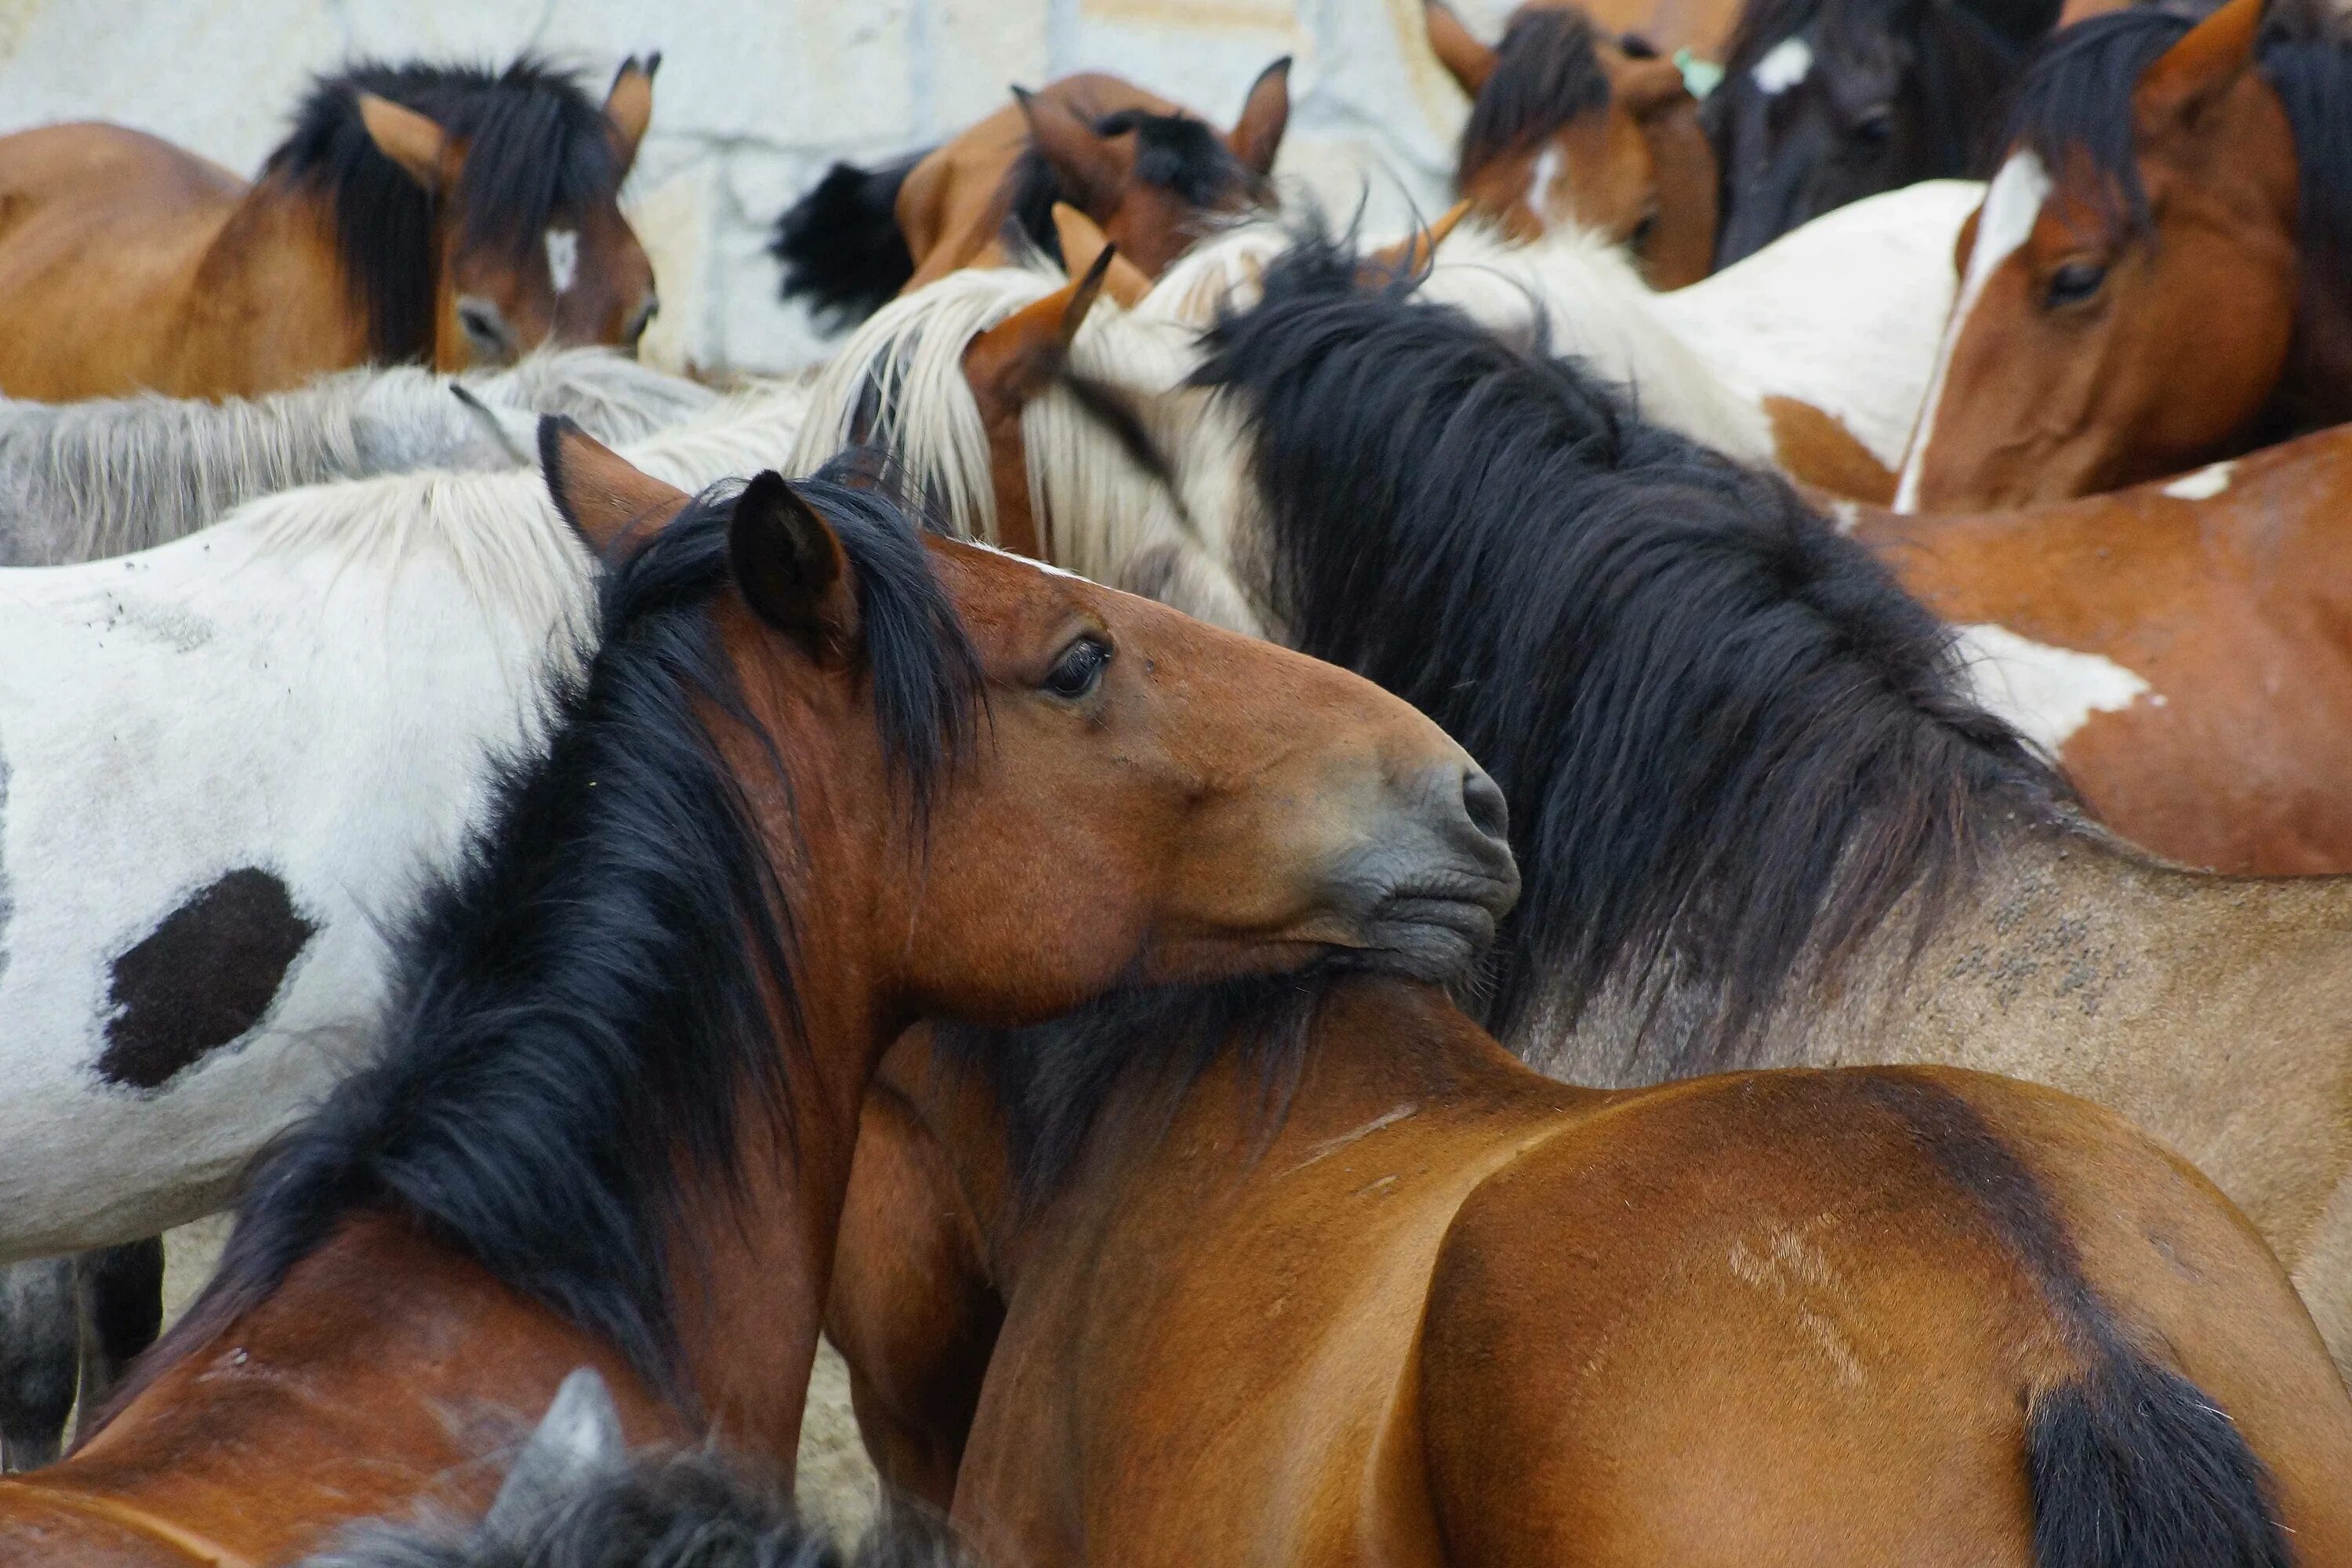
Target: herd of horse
{"points": [[1662, 873]]}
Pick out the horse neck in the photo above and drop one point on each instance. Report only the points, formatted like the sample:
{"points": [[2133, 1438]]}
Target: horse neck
{"points": [[275, 261], [2179, 999], [2316, 390], [386, 1371]]}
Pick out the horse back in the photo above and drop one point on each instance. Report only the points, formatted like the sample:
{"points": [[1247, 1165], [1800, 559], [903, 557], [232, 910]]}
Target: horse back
{"points": [[101, 231], [1864, 1315]]}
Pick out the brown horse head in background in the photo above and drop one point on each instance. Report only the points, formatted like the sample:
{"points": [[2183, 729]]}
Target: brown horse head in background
{"points": [[2156, 278], [1567, 126], [1152, 173], [453, 215]]}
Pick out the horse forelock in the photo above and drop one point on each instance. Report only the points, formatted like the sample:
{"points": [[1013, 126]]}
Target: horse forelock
{"points": [[1548, 73], [1731, 743], [536, 148], [2072, 108], [582, 1011]]}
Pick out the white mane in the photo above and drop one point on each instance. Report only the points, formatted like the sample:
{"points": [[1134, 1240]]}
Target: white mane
{"points": [[81, 481]]}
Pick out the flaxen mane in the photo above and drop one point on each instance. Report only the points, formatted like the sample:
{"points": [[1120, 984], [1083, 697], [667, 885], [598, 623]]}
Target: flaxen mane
{"points": [[536, 148], [1731, 743], [581, 1012]]}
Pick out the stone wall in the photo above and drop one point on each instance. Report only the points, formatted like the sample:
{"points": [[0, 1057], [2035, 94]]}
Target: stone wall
{"points": [[757, 97]]}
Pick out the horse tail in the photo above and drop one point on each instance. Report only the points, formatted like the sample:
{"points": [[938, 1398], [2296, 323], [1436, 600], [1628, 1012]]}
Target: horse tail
{"points": [[840, 244], [2131, 1466]]}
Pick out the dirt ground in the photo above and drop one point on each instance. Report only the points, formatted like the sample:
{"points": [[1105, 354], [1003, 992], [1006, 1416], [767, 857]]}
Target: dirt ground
{"points": [[836, 1483]]}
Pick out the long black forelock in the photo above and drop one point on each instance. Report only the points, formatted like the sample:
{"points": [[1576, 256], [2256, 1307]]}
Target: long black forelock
{"points": [[1174, 151], [582, 1011], [1547, 74], [1052, 1082], [2074, 102], [1728, 739], [538, 149]]}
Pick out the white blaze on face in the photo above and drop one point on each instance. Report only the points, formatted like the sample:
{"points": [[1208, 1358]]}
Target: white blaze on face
{"points": [[563, 257], [2012, 206], [2046, 693], [1548, 165], [1784, 65]]}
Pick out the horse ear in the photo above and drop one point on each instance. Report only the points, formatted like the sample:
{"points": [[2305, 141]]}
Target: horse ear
{"points": [[790, 566], [414, 141], [600, 493], [1091, 168], [1650, 87], [1012, 361], [1465, 59], [1083, 247], [578, 1438], [2207, 62], [1258, 135], [629, 107], [1414, 251]]}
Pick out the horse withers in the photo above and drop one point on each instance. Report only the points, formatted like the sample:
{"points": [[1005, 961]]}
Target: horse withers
{"points": [[451, 215]]}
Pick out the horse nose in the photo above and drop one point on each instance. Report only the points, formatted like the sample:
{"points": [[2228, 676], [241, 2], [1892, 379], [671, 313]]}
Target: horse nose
{"points": [[1483, 802]]}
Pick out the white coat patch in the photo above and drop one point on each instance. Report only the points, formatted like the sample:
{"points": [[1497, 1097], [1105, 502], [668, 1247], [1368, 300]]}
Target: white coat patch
{"points": [[2013, 204], [1540, 187], [563, 257], [1784, 65], [1844, 515], [2203, 485], [2047, 693]]}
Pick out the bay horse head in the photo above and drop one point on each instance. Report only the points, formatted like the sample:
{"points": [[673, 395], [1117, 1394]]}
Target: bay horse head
{"points": [[475, 215], [1569, 126], [1825, 101], [2155, 267]]}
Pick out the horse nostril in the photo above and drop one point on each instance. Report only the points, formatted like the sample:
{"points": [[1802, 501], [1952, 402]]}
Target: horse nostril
{"points": [[1481, 797]]}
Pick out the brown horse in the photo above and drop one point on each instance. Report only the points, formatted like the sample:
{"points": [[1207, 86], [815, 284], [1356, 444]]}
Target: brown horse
{"points": [[2177, 647], [1148, 172], [1567, 126], [822, 778], [447, 215], [1448, 1311], [2156, 277]]}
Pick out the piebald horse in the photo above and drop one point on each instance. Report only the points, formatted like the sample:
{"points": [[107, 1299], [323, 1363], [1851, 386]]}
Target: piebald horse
{"points": [[819, 778], [1150, 173], [449, 215], [302, 708], [2156, 280], [1753, 831], [1433, 1308], [1825, 101], [1568, 127]]}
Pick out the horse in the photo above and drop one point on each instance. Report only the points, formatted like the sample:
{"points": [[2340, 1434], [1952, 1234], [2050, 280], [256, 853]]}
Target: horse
{"points": [[1742, 851], [1568, 127], [1150, 173], [1389, 1295], [80, 481], [2173, 646], [1825, 101], [820, 776], [447, 215], [2155, 282]]}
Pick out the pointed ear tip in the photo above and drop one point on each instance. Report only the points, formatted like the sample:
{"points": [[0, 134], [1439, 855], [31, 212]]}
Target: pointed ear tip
{"points": [[555, 431]]}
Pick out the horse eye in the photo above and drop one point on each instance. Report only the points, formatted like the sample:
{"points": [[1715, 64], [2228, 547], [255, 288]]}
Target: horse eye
{"points": [[2074, 282], [1876, 124], [1640, 239], [1079, 669], [484, 325]]}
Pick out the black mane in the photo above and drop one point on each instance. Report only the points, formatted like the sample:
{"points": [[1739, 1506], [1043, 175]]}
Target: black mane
{"points": [[580, 1010], [1175, 152], [537, 148], [1730, 739], [2075, 102], [1547, 74]]}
